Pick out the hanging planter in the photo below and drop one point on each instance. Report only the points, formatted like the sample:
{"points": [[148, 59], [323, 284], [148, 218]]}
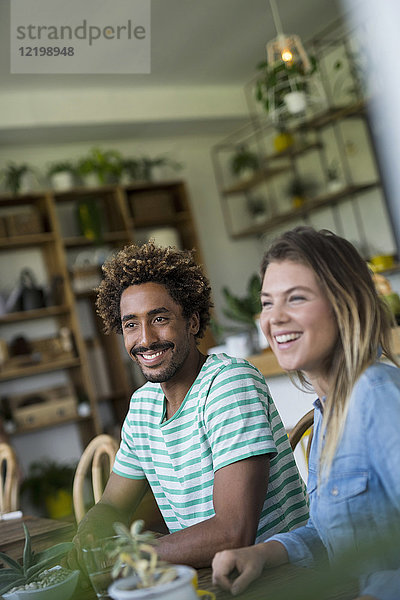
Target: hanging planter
{"points": [[282, 89], [296, 102]]}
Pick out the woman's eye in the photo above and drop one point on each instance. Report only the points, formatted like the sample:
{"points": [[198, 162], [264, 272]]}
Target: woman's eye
{"points": [[266, 304], [296, 298]]}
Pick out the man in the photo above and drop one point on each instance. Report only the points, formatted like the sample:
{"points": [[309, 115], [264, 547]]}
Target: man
{"points": [[203, 431]]}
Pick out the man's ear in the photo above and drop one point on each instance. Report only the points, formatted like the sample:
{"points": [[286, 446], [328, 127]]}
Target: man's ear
{"points": [[194, 323]]}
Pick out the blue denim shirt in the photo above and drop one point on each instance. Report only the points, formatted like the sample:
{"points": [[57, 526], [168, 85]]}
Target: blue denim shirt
{"points": [[360, 499]]}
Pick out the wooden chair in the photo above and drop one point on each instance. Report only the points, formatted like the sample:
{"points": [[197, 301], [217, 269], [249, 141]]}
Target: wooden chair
{"points": [[9, 479], [99, 455], [305, 423]]}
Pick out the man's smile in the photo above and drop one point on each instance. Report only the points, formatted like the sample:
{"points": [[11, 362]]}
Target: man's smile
{"points": [[150, 357]]}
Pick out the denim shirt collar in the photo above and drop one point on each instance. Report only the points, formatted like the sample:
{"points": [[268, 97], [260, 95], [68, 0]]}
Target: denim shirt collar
{"points": [[319, 404]]}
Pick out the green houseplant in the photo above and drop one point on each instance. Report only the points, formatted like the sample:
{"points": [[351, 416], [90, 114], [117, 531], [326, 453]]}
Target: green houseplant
{"points": [[49, 484], [13, 175], [62, 174], [244, 309], [147, 166], [279, 80], [140, 569], [35, 571], [105, 165], [244, 160]]}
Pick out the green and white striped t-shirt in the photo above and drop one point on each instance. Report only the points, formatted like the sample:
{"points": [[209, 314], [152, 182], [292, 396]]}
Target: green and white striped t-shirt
{"points": [[228, 415]]}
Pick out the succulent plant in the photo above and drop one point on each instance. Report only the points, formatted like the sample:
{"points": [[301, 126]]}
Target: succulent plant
{"points": [[135, 554], [33, 564]]}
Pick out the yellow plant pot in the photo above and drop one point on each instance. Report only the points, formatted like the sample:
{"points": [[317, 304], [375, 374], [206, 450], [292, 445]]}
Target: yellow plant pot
{"points": [[59, 505], [381, 262], [298, 201], [282, 141]]}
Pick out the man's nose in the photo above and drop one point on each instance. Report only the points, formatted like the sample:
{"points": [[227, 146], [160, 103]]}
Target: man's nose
{"points": [[147, 335]]}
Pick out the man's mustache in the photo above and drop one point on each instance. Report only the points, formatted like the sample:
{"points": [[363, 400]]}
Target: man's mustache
{"points": [[151, 348]]}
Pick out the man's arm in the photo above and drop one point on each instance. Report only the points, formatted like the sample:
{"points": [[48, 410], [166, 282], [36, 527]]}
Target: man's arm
{"points": [[120, 499], [238, 496]]}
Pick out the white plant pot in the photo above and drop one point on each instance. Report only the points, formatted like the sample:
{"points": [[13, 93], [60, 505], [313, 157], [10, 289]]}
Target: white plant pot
{"points": [[181, 588], [91, 180], [62, 181], [296, 102], [29, 183], [334, 185], [239, 345], [262, 340]]}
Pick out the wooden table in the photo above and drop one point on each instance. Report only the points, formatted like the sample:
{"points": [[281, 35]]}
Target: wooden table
{"points": [[46, 532], [43, 532], [281, 583]]}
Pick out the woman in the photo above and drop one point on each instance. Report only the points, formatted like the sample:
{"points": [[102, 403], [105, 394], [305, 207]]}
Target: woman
{"points": [[325, 321]]}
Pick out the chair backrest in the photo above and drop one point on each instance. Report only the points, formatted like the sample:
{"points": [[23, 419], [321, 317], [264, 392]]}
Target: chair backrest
{"points": [[9, 479], [100, 450], [305, 423]]}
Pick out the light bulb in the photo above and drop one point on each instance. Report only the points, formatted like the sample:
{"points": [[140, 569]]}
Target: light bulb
{"points": [[287, 56]]}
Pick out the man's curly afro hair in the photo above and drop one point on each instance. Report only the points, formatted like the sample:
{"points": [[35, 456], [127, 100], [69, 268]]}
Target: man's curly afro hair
{"points": [[176, 269]]}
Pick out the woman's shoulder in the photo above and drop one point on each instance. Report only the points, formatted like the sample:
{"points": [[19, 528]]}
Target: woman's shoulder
{"points": [[377, 376], [380, 372]]}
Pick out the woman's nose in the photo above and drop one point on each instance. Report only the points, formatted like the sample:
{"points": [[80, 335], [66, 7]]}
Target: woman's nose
{"points": [[278, 314]]}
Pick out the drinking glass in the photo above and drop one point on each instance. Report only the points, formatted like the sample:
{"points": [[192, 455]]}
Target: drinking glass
{"points": [[99, 564]]}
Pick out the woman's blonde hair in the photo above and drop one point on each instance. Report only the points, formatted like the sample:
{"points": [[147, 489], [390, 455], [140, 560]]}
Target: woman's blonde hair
{"points": [[363, 319]]}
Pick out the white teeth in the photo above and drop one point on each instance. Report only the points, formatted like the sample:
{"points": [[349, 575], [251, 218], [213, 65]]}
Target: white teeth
{"points": [[151, 356], [287, 337]]}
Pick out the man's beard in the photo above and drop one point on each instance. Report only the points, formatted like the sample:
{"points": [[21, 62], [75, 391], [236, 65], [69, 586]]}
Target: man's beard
{"points": [[169, 371]]}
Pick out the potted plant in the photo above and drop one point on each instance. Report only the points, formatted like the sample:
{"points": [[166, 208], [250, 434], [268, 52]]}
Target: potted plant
{"points": [[141, 573], [299, 190], [61, 175], [256, 205], [148, 167], [244, 162], [282, 87], [334, 183], [49, 484], [244, 310], [100, 167], [38, 573], [14, 175], [130, 170]]}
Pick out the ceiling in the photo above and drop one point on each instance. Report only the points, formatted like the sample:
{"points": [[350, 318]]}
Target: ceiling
{"points": [[193, 43]]}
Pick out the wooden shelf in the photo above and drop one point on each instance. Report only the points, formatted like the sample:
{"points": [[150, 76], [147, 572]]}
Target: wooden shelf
{"points": [[110, 236], [77, 419], [294, 150], [38, 313], [256, 179], [331, 115], [116, 203], [21, 241], [308, 207], [156, 220], [39, 368]]}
